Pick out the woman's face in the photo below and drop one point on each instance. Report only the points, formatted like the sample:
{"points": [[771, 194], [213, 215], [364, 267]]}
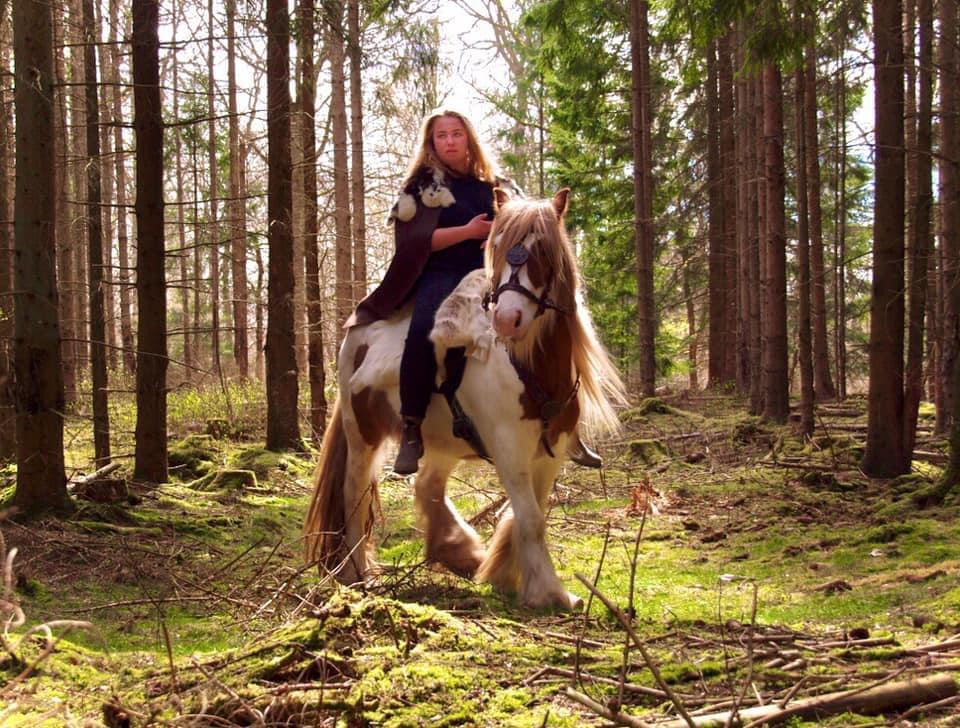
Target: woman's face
{"points": [[450, 142]]}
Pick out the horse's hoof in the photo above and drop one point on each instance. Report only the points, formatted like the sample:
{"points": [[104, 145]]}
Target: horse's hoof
{"points": [[575, 602]]}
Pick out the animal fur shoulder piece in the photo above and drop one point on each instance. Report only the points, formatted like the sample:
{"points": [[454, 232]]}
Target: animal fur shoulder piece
{"points": [[461, 319], [430, 185]]}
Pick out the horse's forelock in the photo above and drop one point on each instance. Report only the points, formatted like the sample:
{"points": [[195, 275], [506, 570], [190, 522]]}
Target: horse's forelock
{"points": [[517, 220]]}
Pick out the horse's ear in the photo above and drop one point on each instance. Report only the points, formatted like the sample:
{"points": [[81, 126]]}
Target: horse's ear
{"points": [[500, 197], [560, 201]]}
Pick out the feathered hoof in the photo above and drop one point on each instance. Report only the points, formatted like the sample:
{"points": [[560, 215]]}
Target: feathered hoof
{"points": [[560, 599], [462, 556]]}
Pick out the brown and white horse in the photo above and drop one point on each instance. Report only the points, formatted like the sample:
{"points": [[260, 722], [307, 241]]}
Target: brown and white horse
{"points": [[528, 382]]}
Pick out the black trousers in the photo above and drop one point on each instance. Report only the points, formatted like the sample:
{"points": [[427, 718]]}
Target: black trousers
{"points": [[418, 366]]}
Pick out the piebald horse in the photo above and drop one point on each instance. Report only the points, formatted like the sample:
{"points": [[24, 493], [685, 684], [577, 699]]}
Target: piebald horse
{"points": [[534, 371]]}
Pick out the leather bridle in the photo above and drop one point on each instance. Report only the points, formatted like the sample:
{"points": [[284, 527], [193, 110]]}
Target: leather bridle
{"points": [[517, 257]]}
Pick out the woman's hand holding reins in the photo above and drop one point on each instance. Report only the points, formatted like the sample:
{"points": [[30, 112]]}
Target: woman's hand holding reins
{"points": [[478, 227]]}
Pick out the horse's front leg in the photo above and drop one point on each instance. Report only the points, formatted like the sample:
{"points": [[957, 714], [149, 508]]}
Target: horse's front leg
{"points": [[449, 539], [517, 557]]}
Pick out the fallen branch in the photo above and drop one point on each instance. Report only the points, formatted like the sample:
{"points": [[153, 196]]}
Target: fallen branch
{"points": [[625, 623], [601, 710], [872, 701]]}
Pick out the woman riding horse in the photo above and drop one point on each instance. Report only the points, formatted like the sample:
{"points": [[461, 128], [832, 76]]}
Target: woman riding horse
{"points": [[441, 223]]}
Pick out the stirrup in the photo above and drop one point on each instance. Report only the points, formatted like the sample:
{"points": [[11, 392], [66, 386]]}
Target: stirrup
{"points": [[581, 454], [411, 448]]}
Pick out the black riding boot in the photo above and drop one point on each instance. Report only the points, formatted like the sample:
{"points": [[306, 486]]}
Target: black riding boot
{"points": [[581, 454], [411, 447]]}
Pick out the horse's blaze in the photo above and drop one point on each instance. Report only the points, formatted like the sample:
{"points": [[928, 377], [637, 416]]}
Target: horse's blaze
{"points": [[375, 417]]}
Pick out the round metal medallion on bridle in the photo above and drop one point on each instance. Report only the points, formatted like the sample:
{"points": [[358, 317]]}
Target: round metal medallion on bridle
{"points": [[517, 255]]}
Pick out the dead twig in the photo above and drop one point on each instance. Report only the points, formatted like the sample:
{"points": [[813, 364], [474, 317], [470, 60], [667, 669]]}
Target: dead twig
{"points": [[601, 710], [625, 622]]}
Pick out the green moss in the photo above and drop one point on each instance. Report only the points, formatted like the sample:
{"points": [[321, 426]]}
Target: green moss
{"points": [[226, 481], [650, 452], [193, 456]]}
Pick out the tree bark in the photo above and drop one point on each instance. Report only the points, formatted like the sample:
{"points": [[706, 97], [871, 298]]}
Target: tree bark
{"points": [[8, 420], [642, 194], [884, 456], [185, 319], [804, 333], [717, 335], [822, 381], [150, 459], [950, 246], [98, 351], [776, 397], [341, 184], [357, 178], [237, 208], [214, 195], [920, 238], [729, 190], [745, 217], [840, 232], [64, 234], [41, 478], [282, 423], [757, 236], [78, 178], [123, 256], [308, 100]]}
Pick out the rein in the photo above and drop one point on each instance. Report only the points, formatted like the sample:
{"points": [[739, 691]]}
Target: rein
{"points": [[517, 257]]}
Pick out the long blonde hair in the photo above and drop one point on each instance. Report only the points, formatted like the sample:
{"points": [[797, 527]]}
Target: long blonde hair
{"points": [[481, 165]]}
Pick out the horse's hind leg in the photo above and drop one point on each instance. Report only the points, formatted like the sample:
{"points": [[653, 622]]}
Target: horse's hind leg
{"points": [[359, 500], [450, 540]]}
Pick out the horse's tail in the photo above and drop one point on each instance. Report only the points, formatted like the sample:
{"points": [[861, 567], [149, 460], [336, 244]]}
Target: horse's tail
{"points": [[324, 526], [600, 384]]}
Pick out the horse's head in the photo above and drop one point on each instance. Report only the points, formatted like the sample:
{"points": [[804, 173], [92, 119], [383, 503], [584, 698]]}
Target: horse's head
{"points": [[530, 263]]}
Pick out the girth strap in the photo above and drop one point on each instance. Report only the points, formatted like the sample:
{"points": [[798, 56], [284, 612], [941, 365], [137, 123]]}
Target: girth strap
{"points": [[548, 408], [455, 363]]}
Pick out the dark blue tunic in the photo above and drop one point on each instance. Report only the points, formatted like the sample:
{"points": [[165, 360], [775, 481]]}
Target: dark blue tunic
{"points": [[443, 272]]}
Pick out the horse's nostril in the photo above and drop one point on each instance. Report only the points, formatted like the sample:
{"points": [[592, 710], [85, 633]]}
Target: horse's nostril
{"points": [[516, 321]]}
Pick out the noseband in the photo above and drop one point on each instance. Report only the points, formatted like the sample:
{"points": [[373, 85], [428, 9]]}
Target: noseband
{"points": [[517, 257]]}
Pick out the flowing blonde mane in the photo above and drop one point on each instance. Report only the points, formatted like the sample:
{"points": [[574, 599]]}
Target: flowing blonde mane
{"points": [[600, 384]]}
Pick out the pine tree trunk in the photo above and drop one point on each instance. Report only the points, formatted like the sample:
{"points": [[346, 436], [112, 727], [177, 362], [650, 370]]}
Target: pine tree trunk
{"points": [[299, 270], [65, 234], [804, 332], [186, 324], [214, 222], [41, 478], [98, 352], [949, 65], [341, 183], [123, 257], [642, 195], [107, 183], [283, 431], [78, 177], [728, 173], [776, 400], [150, 463], [357, 178], [308, 100], [840, 232], [237, 208], [717, 335], [822, 381], [920, 238], [8, 422], [758, 233], [884, 457], [744, 220]]}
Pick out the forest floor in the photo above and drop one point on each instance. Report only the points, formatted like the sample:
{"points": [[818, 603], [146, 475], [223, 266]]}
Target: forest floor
{"points": [[763, 571]]}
